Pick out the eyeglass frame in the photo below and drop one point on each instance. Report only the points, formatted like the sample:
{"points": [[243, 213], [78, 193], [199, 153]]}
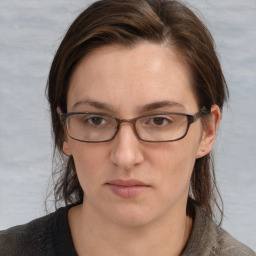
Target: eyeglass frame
{"points": [[191, 119]]}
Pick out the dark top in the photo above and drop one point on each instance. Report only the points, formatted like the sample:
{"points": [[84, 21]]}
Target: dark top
{"points": [[50, 235]]}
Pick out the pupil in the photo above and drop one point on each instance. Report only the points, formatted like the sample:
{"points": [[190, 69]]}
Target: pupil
{"points": [[158, 120], [97, 120]]}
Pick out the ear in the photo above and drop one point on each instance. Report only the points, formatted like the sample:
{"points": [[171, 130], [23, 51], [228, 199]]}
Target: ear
{"points": [[210, 132], [66, 149]]}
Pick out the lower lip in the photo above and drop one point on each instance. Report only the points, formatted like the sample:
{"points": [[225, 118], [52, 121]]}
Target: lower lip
{"points": [[127, 191]]}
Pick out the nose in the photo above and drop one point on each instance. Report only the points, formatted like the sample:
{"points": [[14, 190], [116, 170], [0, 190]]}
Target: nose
{"points": [[126, 152]]}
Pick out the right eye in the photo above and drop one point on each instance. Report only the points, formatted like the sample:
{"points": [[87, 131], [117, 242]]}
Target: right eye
{"points": [[92, 120], [96, 120]]}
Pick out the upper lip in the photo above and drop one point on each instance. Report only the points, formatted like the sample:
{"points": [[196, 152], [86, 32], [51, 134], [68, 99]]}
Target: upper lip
{"points": [[127, 183]]}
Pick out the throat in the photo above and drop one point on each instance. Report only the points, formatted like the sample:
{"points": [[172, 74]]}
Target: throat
{"points": [[103, 240]]}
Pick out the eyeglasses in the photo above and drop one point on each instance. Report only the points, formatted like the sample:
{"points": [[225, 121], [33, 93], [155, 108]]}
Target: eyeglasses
{"points": [[96, 127]]}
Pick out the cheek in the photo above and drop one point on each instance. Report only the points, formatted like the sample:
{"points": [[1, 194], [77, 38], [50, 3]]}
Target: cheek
{"points": [[87, 153], [90, 160], [175, 162], [175, 155]]}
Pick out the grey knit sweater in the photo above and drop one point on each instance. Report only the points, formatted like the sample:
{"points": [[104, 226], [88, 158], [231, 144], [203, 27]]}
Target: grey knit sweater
{"points": [[50, 235]]}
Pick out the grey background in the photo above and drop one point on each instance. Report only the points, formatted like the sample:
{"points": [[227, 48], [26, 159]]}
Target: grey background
{"points": [[31, 31]]}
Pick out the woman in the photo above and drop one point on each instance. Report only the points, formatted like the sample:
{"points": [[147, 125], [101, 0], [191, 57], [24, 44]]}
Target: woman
{"points": [[136, 93]]}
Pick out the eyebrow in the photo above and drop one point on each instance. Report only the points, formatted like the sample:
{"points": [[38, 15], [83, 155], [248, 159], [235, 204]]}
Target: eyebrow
{"points": [[161, 104], [147, 107], [96, 104]]}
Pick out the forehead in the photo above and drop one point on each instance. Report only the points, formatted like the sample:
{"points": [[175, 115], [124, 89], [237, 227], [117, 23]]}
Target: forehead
{"points": [[128, 78]]}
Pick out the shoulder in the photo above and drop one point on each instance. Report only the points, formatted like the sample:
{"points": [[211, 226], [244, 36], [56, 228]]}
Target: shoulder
{"points": [[33, 238], [227, 245], [209, 239]]}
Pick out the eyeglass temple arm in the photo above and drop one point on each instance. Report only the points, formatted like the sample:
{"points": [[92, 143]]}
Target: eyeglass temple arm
{"points": [[203, 111], [61, 115]]}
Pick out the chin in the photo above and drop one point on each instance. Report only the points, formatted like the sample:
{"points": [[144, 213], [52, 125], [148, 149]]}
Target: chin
{"points": [[131, 217]]}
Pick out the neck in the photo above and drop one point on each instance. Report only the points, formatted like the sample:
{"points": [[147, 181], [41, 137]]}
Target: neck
{"points": [[165, 236]]}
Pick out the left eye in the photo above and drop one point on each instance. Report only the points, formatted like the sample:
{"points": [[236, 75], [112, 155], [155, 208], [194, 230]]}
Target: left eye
{"points": [[159, 121]]}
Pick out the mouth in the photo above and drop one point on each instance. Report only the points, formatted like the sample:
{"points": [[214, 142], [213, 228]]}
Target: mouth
{"points": [[127, 188]]}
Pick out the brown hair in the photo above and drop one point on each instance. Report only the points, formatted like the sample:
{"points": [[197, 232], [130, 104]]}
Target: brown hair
{"points": [[127, 22]]}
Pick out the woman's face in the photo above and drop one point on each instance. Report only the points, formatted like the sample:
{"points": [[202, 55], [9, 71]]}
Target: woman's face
{"points": [[128, 181]]}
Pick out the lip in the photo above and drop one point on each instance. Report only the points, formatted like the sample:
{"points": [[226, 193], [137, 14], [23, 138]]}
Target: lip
{"points": [[127, 188], [127, 183]]}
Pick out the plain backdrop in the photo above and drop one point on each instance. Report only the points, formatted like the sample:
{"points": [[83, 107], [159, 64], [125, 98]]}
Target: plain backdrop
{"points": [[30, 32]]}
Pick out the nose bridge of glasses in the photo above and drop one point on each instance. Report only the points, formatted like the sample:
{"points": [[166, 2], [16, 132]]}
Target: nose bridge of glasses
{"points": [[129, 122], [132, 121]]}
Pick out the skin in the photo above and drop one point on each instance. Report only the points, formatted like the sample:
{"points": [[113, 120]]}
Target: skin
{"points": [[154, 222]]}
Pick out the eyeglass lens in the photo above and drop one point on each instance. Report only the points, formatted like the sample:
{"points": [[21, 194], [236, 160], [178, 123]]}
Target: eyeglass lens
{"points": [[95, 128]]}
